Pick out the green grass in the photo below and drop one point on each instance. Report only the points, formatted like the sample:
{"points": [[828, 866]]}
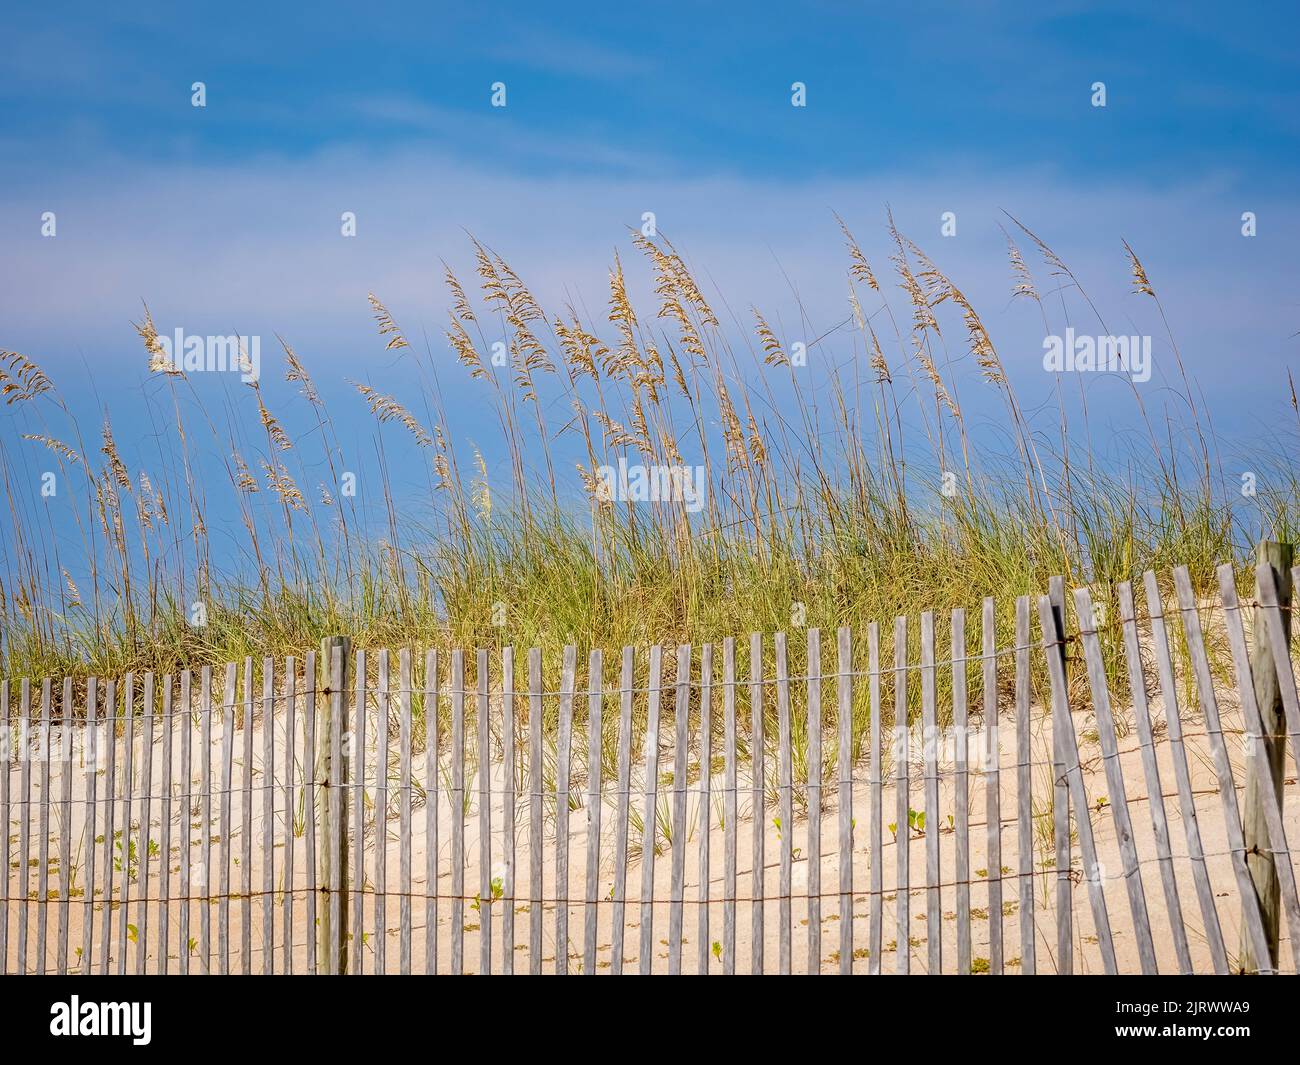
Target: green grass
{"points": [[823, 507]]}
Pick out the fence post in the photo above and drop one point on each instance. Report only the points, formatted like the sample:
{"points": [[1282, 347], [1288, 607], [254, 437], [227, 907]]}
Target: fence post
{"points": [[1268, 694], [332, 818], [1060, 787]]}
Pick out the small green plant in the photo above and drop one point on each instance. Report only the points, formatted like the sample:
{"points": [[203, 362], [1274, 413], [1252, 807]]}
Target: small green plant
{"points": [[717, 950], [498, 889], [132, 858]]}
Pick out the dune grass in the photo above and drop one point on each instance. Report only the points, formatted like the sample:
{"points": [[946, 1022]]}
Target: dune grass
{"points": [[827, 501]]}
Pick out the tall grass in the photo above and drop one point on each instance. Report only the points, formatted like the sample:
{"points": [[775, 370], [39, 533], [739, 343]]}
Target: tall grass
{"points": [[825, 502]]}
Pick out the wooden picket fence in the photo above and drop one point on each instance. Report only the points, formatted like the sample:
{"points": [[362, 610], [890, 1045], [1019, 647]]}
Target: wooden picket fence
{"points": [[171, 824]]}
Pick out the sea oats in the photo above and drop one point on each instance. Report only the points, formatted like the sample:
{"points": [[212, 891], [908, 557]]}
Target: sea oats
{"points": [[298, 373], [615, 434], [115, 463], [243, 476], [860, 270], [386, 409], [57, 446], [283, 485], [1023, 282], [581, 349], [20, 378], [679, 376], [465, 351], [273, 428], [463, 310], [1140, 283], [622, 315], [494, 288], [877, 360], [159, 360], [387, 327], [773, 353]]}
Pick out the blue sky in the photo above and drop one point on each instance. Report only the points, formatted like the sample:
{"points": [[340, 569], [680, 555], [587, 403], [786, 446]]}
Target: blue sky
{"points": [[687, 87], [226, 218]]}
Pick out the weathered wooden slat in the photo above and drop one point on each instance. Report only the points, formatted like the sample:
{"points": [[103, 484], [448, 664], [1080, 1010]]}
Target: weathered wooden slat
{"points": [[677, 893], [268, 815], [563, 761], [1268, 592], [814, 792], [91, 752], [1182, 775], [706, 800], [14, 749], [1069, 750], [1151, 772], [360, 747], [310, 674], [204, 879], [404, 803], [432, 789], [729, 806], [65, 829], [226, 789], [1266, 588], [483, 723], [961, 788], [591, 899], [993, 785], [128, 790], [902, 829], [169, 716], [875, 789], [290, 745], [1061, 792], [383, 755], [785, 807], [246, 825], [536, 782], [1271, 801], [929, 757], [4, 833], [337, 963], [43, 830], [1222, 766], [1118, 803], [758, 761], [650, 810], [1025, 791], [623, 816], [457, 797], [844, 764], [227, 801], [510, 776], [146, 790], [110, 817]]}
